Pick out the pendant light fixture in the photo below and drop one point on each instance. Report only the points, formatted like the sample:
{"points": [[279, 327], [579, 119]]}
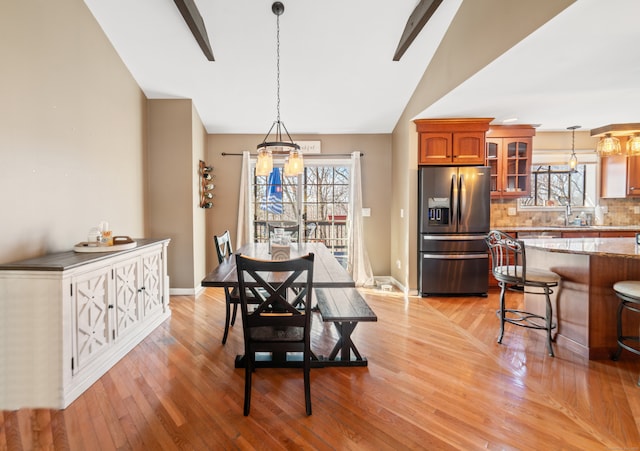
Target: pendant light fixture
{"points": [[266, 149], [633, 145], [573, 160], [608, 146]]}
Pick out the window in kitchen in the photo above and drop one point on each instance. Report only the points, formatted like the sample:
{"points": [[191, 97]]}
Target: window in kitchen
{"points": [[556, 185], [318, 199]]}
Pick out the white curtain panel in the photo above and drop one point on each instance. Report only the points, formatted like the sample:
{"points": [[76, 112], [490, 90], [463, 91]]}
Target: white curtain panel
{"points": [[358, 264], [244, 231]]}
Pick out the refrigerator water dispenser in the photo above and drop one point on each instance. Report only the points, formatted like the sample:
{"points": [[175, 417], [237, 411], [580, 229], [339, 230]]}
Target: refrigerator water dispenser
{"points": [[438, 211]]}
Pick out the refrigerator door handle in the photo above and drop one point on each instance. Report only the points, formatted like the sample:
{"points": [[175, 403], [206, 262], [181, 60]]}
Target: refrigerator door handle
{"points": [[462, 201], [478, 237], [453, 203], [455, 256]]}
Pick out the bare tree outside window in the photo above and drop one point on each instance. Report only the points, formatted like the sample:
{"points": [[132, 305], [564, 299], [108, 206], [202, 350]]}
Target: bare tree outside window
{"points": [[319, 198], [557, 185], [326, 204]]}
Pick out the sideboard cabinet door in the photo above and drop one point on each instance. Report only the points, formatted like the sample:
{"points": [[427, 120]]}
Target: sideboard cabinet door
{"points": [[127, 311], [151, 284], [90, 307]]}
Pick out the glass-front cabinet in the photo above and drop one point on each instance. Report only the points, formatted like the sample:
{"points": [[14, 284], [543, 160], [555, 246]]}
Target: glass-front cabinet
{"points": [[508, 154]]}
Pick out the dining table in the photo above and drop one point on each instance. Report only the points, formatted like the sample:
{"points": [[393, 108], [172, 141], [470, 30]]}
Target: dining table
{"points": [[328, 273]]}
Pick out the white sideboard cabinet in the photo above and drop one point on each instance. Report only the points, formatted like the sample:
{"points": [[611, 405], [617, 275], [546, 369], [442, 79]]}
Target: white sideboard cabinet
{"points": [[67, 318]]}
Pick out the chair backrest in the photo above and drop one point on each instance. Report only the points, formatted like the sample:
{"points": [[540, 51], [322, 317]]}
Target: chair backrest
{"points": [[283, 289], [292, 229], [223, 245], [310, 230], [508, 259]]}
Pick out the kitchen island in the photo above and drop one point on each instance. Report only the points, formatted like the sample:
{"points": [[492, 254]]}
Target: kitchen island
{"points": [[585, 304]]}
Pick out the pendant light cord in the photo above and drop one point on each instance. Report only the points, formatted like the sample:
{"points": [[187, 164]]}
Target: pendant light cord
{"points": [[573, 137], [278, 8], [278, 69]]}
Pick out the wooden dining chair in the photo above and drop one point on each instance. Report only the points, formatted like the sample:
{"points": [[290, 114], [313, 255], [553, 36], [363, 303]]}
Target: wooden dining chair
{"points": [[224, 250], [281, 323], [310, 231], [291, 229]]}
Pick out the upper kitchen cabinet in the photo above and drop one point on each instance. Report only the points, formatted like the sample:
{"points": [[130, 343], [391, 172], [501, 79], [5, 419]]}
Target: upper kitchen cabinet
{"points": [[633, 176], [619, 176], [613, 177], [458, 141], [508, 153]]}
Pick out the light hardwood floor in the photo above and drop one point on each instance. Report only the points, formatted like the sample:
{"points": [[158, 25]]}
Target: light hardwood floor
{"points": [[436, 380]]}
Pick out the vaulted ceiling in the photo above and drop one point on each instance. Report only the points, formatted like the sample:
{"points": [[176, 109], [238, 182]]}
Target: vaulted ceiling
{"points": [[338, 73]]}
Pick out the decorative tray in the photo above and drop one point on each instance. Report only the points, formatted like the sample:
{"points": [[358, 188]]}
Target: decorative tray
{"points": [[119, 244]]}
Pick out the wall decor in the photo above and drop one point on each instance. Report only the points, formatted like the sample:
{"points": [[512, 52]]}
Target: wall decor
{"points": [[206, 184]]}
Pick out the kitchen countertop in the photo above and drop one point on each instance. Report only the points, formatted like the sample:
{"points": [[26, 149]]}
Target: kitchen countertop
{"points": [[602, 228], [612, 247]]}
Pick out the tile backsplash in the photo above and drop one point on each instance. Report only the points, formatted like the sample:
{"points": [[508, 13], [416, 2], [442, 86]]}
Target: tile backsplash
{"points": [[621, 212]]}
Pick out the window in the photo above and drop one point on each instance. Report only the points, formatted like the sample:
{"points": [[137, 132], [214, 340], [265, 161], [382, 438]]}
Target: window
{"points": [[318, 199], [553, 185]]}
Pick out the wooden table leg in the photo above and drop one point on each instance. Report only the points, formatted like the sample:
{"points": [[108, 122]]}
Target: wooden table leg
{"points": [[345, 345]]}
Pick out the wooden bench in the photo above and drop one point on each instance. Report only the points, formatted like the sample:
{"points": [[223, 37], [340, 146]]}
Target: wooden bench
{"points": [[345, 308]]}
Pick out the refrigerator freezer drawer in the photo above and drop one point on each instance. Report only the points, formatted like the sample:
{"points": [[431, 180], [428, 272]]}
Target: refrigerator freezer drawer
{"points": [[453, 243], [454, 274]]}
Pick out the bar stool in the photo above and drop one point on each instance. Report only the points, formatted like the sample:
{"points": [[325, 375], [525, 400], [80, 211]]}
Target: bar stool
{"points": [[629, 293], [509, 267]]}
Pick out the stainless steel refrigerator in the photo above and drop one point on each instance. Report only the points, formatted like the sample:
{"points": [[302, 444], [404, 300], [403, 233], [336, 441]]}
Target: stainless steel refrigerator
{"points": [[454, 211]]}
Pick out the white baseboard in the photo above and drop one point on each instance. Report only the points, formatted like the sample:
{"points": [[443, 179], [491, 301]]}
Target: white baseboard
{"points": [[186, 291], [389, 280]]}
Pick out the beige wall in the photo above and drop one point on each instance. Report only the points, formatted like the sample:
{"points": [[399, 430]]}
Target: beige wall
{"points": [[480, 32], [176, 144], [376, 186], [200, 243], [72, 131]]}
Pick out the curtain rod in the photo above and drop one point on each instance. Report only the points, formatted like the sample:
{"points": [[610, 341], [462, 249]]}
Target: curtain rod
{"points": [[305, 155]]}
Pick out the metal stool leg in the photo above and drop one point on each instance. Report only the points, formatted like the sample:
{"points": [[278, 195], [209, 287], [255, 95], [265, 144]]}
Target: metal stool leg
{"points": [[630, 305], [616, 356], [503, 291], [549, 321]]}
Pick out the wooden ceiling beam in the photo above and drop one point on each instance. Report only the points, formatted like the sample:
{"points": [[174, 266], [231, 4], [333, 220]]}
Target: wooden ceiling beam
{"points": [[192, 17], [417, 20]]}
